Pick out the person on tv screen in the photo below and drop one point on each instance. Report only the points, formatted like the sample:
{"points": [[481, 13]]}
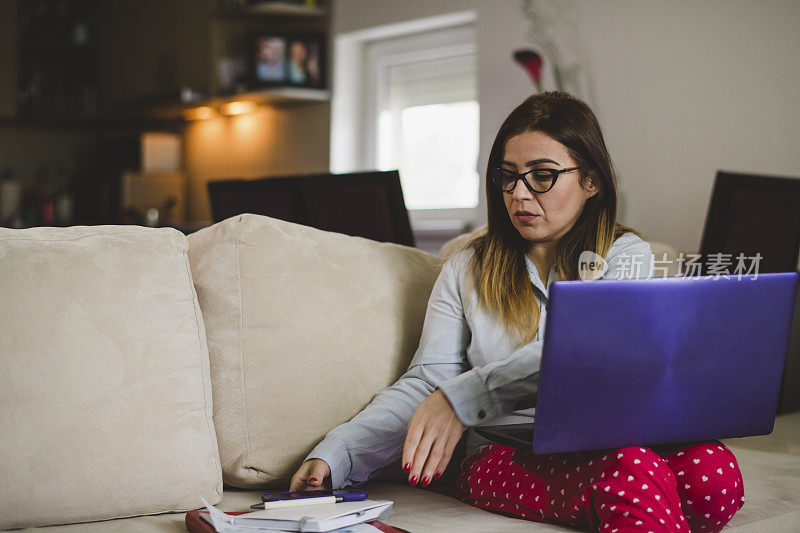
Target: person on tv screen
{"points": [[270, 64], [551, 194], [298, 53]]}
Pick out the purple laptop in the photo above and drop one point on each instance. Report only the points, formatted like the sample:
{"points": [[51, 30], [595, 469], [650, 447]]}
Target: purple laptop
{"points": [[657, 361]]}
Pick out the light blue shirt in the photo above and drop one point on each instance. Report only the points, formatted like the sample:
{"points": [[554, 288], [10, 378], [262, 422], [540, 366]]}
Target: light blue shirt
{"points": [[465, 352]]}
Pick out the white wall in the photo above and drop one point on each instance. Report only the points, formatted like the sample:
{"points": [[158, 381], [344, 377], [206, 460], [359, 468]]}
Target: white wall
{"points": [[681, 89]]}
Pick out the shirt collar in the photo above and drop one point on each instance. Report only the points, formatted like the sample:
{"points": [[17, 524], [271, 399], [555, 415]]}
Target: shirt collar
{"points": [[537, 281]]}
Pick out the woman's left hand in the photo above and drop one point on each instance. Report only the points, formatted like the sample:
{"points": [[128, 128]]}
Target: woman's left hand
{"points": [[433, 433]]}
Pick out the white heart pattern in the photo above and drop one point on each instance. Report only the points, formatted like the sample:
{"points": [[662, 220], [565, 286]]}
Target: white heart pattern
{"points": [[695, 461], [705, 478]]}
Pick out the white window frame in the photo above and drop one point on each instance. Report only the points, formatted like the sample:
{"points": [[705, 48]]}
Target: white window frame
{"points": [[358, 86]]}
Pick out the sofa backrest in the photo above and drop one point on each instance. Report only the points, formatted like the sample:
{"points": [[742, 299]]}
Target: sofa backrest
{"points": [[105, 392], [304, 328]]}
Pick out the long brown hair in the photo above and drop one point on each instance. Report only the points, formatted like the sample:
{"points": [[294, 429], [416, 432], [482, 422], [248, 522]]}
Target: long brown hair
{"points": [[498, 264]]}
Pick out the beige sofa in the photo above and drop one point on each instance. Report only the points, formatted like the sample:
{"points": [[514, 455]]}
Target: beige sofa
{"points": [[114, 338]]}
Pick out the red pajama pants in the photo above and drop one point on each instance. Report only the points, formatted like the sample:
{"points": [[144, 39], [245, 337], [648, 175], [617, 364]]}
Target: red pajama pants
{"points": [[678, 488]]}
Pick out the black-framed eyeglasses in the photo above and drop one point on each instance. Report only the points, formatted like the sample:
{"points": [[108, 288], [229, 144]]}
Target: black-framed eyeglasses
{"points": [[536, 180]]}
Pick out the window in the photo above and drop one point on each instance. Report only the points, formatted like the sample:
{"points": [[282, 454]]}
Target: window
{"points": [[405, 97], [422, 119], [428, 129]]}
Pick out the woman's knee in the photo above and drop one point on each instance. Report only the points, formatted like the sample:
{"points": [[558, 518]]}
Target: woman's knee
{"points": [[707, 462], [709, 477]]}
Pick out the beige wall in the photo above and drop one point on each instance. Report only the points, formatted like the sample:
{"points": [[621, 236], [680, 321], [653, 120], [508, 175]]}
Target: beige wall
{"points": [[273, 141], [681, 89]]}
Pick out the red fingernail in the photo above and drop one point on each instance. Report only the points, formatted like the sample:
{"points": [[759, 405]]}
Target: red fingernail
{"points": [[413, 480], [407, 467], [437, 475], [312, 479], [426, 480]]}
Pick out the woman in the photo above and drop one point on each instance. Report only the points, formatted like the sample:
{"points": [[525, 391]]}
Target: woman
{"points": [[551, 195]]}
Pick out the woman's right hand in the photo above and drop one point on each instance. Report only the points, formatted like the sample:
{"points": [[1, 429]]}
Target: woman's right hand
{"points": [[314, 474]]}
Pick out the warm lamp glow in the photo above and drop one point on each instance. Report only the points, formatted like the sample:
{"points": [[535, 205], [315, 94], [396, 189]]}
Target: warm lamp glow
{"points": [[199, 113], [239, 107]]}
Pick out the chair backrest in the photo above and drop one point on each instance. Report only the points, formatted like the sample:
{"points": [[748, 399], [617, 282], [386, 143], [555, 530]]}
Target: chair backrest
{"points": [[752, 214], [363, 204]]}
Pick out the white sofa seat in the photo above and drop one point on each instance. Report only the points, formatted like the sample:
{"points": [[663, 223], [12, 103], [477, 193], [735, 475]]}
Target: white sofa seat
{"points": [[770, 466]]}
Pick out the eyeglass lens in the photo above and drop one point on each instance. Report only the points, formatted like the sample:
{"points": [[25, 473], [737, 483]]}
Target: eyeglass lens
{"points": [[539, 180]]}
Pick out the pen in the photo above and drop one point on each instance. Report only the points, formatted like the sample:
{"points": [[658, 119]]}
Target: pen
{"points": [[311, 500]]}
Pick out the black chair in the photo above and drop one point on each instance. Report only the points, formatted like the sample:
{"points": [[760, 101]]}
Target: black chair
{"points": [[363, 204], [752, 214]]}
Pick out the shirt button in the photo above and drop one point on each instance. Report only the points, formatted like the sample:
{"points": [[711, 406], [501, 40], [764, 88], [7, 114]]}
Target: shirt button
{"points": [[481, 414]]}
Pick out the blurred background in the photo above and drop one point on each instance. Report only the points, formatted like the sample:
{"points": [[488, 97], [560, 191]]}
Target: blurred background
{"points": [[123, 111]]}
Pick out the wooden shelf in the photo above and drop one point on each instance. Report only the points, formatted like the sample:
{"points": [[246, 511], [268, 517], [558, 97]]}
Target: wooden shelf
{"points": [[273, 8], [282, 97]]}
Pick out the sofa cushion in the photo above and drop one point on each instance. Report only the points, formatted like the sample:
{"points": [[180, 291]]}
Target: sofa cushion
{"points": [[105, 392], [304, 328]]}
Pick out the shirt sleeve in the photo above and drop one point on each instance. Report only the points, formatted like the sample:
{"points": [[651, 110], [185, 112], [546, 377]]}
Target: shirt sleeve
{"points": [[357, 450], [512, 383], [631, 259]]}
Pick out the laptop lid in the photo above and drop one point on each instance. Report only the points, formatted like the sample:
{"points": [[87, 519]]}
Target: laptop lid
{"points": [[662, 360]]}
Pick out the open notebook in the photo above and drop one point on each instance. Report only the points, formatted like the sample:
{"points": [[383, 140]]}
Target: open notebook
{"points": [[314, 518]]}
